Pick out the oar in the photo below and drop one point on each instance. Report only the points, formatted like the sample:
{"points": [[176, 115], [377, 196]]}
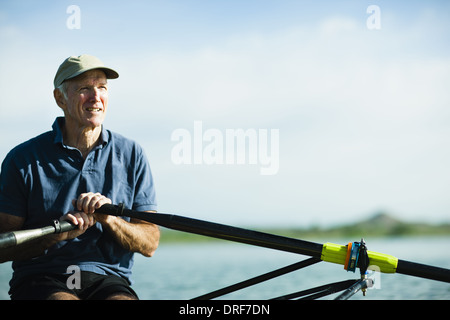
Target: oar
{"points": [[14, 238], [327, 252]]}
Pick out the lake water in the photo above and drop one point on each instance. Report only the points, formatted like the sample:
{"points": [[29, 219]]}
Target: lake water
{"points": [[185, 271]]}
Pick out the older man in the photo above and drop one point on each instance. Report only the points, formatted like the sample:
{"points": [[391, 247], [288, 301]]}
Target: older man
{"points": [[66, 174]]}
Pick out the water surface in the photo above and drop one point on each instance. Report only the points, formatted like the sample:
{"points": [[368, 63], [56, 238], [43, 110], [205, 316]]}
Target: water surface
{"points": [[185, 271]]}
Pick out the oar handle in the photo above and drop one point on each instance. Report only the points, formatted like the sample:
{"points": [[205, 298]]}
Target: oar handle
{"points": [[7, 240], [14, 238], [63, 226]]}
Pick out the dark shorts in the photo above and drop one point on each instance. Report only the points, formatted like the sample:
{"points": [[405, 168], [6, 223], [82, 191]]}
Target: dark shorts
{"points": [[92, 286]]}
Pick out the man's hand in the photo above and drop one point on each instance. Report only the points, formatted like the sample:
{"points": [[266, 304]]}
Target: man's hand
{"points": [[89, 202], [83, 216], [80, 219], [136, 235]]}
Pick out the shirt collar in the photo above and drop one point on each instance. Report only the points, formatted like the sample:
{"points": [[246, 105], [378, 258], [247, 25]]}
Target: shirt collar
{"points": [[59, 122]]}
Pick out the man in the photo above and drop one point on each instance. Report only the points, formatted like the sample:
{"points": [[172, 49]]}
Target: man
{"points": [[67, 174]]}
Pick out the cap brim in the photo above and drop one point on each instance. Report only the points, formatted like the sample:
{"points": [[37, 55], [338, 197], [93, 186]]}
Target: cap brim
{"points": [[110, 73]]}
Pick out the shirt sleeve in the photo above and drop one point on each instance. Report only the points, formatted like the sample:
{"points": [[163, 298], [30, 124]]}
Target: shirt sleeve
{"points": [[13, 199], [145, 195]]}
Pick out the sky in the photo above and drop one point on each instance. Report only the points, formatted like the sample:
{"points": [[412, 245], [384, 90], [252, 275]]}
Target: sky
{"points": [[349, 105]]}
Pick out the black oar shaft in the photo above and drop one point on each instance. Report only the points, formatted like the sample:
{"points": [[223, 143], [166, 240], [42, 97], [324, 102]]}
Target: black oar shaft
{"points": [[423, 271], [261, 239], [220, 231]]}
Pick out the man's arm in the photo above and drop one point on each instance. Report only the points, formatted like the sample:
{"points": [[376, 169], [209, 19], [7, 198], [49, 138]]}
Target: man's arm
{"points": [[136, 235]]}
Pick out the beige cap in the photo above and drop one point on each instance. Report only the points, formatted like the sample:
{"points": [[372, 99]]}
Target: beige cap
{"points": [[74, 66]]}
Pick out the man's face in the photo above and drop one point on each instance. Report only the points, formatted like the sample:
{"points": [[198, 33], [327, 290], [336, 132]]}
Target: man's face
{"points": [[87, 99]]}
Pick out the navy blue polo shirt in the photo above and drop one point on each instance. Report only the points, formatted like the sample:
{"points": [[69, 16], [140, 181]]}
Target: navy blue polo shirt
{"points": [[40, 177]]}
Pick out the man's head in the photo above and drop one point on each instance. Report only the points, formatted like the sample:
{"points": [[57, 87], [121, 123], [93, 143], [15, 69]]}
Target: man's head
{"points": [[81, 90]]}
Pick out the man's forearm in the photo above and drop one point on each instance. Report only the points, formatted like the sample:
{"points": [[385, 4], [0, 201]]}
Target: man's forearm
{"points": [[136, 235]]}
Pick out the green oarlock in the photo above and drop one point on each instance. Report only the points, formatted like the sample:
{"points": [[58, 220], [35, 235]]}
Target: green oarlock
{"points": [[381, 262]]}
